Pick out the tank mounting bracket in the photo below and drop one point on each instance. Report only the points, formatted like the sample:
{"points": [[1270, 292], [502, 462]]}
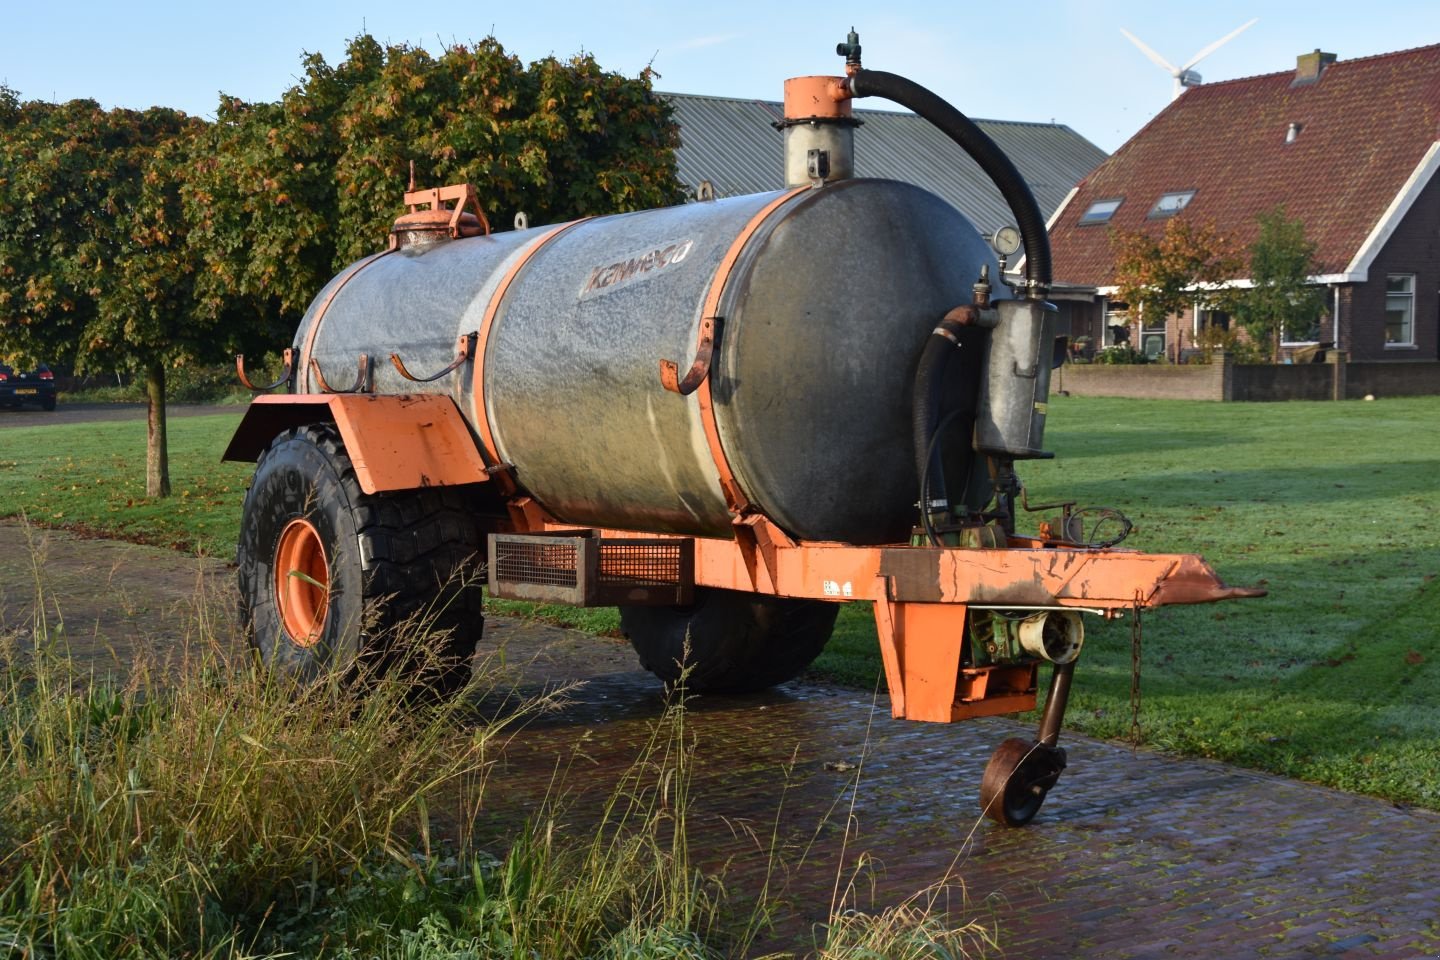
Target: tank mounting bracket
{"points": [[464, 350], [699, 368]]}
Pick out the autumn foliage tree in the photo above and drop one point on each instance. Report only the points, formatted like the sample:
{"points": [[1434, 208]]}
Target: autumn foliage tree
{"points": [[284, 194], [151, 239], [1185, 265], [94, 261]]}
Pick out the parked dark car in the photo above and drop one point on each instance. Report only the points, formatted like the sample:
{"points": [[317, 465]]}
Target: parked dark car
{"points": [[37, 386]]}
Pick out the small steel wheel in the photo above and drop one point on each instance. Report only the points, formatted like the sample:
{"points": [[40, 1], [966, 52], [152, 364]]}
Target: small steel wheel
{"points": [[1017, 778]]}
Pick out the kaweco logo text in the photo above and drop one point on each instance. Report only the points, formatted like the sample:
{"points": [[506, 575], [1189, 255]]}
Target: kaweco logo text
{"points": [[609, 278]]}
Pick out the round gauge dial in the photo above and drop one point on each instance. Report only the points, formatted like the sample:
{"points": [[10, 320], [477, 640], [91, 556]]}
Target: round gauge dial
{"points": [[1006, 241]]}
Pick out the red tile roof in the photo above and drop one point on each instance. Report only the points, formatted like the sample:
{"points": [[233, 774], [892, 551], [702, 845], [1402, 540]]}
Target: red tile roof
{"points": [[1365, 125]]}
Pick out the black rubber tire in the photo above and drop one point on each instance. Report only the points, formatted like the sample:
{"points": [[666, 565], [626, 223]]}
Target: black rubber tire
{"points": [[47, 403], [395, 560], [739, 642]]}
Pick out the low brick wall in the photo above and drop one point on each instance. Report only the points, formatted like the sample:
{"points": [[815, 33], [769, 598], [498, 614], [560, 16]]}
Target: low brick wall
{"points": [[1150, 381], [1303, 381], [1223, 379], [1407, 378]]}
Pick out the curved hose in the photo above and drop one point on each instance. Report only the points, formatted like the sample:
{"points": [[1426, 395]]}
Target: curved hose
{"points": [[975, 142], [928, 401], [925, 407]]}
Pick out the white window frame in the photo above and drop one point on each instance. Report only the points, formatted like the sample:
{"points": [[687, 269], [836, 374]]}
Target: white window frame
{"points": [[1106, 315], [1406, 299], [1092, 218], [1181, 199], [1149, 334]]}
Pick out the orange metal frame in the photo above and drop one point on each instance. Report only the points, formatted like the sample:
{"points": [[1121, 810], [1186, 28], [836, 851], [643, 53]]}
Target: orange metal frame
{"points": [[734, 496], [921, 596]]}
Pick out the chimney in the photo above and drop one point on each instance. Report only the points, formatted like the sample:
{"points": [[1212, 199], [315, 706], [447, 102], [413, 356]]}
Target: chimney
{"points": [[1309, 67]]}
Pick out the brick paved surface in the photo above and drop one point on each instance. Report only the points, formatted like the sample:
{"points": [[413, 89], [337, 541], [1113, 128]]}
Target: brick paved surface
{"points": [[1135, 855]]}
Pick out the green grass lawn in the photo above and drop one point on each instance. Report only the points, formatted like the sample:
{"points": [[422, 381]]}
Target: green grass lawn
{"points": [[1333, 507], [91, 476]]}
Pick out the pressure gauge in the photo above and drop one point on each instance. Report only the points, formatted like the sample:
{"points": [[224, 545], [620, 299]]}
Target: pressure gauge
{"points": [[1006, 241]]}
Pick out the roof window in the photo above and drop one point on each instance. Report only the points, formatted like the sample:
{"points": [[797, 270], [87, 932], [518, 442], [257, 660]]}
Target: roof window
{"points": [[1101, 211], [1170, 204]]}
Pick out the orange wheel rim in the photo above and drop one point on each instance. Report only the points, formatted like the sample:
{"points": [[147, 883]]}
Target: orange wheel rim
{"points": [[302, 582]]}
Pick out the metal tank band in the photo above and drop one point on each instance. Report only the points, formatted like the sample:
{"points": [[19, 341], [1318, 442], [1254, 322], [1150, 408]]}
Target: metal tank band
{"points": [[734, 495], [481, 415], [303, 361]]}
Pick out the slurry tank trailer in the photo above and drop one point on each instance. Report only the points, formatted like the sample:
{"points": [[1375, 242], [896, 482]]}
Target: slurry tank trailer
{"points": [[726, 418]]}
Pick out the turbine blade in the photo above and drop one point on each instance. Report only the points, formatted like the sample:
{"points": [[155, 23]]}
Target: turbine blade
{"points": [[1159, 60], [1218, 44]]}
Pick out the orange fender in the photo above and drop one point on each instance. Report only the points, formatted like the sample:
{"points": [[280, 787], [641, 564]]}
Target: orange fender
{"points": [[396, 442]]}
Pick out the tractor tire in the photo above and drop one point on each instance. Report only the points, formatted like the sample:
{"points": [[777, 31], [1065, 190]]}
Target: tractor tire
{"points": [[738, 642], [335, 582]]}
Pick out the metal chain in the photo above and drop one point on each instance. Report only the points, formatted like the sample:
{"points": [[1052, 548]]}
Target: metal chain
{"points": [[1136, 734]]}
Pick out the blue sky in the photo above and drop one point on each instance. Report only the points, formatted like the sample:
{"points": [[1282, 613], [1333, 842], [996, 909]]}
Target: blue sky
{"points": [[1054, 59]]}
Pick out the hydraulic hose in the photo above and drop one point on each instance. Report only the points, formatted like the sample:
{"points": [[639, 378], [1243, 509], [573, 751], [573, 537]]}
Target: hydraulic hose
{"points": [[975, 142], [925, 409], [929, 401]]}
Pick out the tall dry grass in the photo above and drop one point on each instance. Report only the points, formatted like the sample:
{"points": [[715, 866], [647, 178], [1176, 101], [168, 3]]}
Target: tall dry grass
{"points": [[203, 807]]}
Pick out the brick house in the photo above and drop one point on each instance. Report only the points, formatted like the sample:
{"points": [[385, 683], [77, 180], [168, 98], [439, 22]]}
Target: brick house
{"points": [[1349, 147]]}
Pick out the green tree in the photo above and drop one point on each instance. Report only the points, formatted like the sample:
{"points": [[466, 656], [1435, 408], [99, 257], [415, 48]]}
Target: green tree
{"points": [[1163, 276], [284, 194], [93, 257], [1281, 300]]}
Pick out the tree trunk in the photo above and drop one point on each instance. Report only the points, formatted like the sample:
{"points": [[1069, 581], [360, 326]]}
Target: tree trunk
{"points": [[157, 453]]}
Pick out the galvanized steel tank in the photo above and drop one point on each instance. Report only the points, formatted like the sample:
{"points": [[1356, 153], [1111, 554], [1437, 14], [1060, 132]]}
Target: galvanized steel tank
{"points": [[825, 312]]}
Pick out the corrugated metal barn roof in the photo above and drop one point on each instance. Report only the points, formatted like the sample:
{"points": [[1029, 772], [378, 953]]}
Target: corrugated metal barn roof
{"points": [[731, 143]]}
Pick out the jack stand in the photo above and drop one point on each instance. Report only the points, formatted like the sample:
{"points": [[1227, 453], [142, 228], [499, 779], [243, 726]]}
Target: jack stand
{"points": [[1021, 773]]}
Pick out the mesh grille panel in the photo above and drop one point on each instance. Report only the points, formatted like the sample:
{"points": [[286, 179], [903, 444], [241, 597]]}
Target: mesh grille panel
{"points": [[640, 563], [537, 562], [585, 570]]}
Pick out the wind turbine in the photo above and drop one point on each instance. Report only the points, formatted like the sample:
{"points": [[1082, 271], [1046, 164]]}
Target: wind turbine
{"points": [[1184, 76]]}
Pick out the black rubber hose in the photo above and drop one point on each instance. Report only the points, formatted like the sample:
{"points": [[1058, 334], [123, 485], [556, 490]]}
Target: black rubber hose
{"points": [[975, 142], [925, 407]]}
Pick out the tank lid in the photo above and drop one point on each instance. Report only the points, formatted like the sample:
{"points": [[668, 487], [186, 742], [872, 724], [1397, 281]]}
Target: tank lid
{"points": [[430, 220]]}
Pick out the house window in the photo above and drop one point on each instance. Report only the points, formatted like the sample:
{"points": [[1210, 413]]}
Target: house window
{"points": [[1170, 204], [1400, 310], [1152, 342], [1302, 332], [1117, 323], [1100, 211], [1214, 320]]}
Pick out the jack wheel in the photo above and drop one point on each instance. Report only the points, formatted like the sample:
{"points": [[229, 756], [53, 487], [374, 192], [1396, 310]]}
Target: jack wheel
{"points": [[1017, 779]]}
